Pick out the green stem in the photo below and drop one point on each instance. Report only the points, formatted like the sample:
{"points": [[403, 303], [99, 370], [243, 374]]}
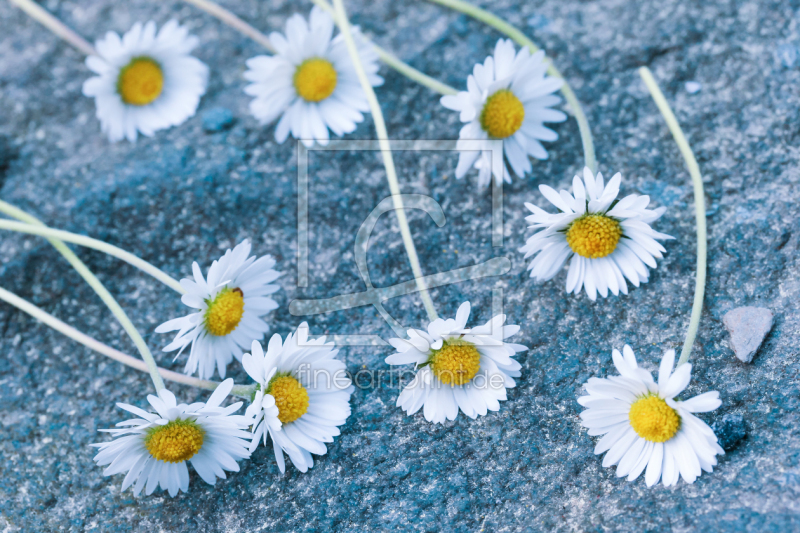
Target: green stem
{"points": [[233, 21], [84, 241], [699, 207], [340, 16], [403, 68], [520, 38], [47, 20], [244, 391], [413, 74], [98, 287]]}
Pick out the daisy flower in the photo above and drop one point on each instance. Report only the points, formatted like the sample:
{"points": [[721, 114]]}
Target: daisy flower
{"points": [[303, 396], [508, 97], [229, 305], [458, 368], [645, 427], [145, 81], [608, 240], [310, 82], [153, 449]]}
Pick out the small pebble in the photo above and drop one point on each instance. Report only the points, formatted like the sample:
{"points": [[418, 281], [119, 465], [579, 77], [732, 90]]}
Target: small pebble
{"points": [[747, 326], [730, 429], [217, 119], [693, 87]]}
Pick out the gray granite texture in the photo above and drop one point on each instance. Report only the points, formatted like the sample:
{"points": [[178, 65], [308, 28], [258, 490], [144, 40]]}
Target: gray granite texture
{"points": [[188, 194]]}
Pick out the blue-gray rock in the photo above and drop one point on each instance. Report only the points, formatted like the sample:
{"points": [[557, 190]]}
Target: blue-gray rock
{"points": [[747, 327], [730, 430], [184, 195], [217, 119]]}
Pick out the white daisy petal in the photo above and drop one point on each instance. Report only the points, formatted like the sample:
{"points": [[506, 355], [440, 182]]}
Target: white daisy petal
{"points": [[665, 368], [631, 457], [702, 403], [654, 465], [620, 447], [554, 198], [642, 461], [678, 381]]}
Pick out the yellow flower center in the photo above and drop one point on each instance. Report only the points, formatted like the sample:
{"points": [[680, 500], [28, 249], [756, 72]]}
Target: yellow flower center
{"points": [[315, 79], [177, 441], [594, 236], [140, 82], [291, 398], [456, 363], [653, 420], [225, 312], [502, 114]]}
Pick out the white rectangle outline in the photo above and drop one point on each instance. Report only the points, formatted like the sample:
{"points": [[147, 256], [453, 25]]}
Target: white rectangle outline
{"points": [[493, 146]]}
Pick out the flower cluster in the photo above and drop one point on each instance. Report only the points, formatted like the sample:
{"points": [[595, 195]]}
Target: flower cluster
{"points": [[147, 80], [292, 403]]}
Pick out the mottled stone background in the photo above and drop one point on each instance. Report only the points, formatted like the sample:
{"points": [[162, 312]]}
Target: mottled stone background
{"points": [[187, 194]]}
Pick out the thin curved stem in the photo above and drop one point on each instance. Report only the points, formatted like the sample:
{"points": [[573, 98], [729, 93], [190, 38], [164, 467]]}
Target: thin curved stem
{"points": [[99, 288], [699, 208], [36, 229], [520, 38], [47, 20], [386, 152], [244, 391], [233, 21], [394, 62], [413, 74]]}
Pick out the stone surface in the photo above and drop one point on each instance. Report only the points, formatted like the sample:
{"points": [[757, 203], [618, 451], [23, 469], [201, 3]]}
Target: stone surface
{"points": [[186, 195], [730, 429], [747, 327], [217, 119], [6, 155], [787, 55]]}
